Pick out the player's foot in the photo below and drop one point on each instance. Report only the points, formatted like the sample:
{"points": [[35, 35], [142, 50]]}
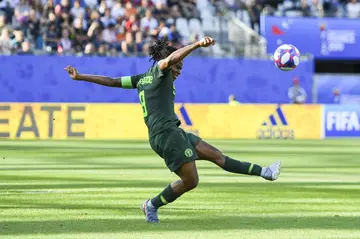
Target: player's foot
{"points": [[150, 212], [272, 172]]}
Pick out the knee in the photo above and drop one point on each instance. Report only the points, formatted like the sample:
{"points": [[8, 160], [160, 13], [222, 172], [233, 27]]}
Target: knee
{"points": [[219, 156], [190, 184]]}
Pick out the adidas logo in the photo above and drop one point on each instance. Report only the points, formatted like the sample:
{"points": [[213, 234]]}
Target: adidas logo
{"points": [[185, 116], [186, 120], [276, 119], [274, 129]]}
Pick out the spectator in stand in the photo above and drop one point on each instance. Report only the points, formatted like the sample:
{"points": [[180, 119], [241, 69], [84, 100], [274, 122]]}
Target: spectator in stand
{"points": [[130, 23], [135, 27], [113, 52], [129, 9], [50, 38], [25, 48], [163, 30], [172, 3], [2, 22], [33, 29], [296, 93], [5, 47], [68, 26], [330, 8], [109, 3], [106, 20], [159, 1], [7, 10], [91, 3], [304, 8], [80, 35], [128, 45], [94, 17], [102, 50], [94, 31], [95, 26], [84, 23], [336, 95], [37, 4], [102, 7], [175, 12], [148, 23], [353, 9], [109, 34], [22, 11], [59, 19], [188, 8], [77, 10], [65, 44], [160, 12], [50, 20], [139, 41], [118, 10], [174, 36], [90, 49], [49, 7], [233, 101], [66, 20], [142, 8], [316, 9], [65, 6], [254, 13], [15, 43]]}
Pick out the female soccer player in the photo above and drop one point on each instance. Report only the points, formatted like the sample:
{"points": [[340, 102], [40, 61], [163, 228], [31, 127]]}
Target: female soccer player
{"points": [[178, 148]]}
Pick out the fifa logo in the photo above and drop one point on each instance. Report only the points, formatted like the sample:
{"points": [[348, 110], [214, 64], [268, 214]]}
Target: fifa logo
{"points": [[276, 127]]}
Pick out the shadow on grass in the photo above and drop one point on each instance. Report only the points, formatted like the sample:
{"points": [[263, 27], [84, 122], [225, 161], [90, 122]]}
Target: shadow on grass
{"points": [[225, 187], [188, 224]]}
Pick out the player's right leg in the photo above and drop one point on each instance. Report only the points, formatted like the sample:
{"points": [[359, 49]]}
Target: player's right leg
{"points": [[189, 179], [208, 152]]}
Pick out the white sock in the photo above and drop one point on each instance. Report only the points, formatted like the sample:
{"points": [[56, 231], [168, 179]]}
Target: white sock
{"points": [[263, 170], [150, 205]]}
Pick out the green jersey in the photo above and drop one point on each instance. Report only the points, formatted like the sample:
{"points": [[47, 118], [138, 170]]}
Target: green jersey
{"points": [[157, 94]]}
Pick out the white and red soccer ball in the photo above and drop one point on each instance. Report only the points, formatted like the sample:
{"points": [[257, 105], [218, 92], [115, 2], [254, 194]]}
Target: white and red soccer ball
{"points": [[286, 57]]}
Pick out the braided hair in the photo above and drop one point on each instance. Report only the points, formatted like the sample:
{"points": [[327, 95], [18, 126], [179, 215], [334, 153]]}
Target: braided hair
{"points": [[160, 50]]}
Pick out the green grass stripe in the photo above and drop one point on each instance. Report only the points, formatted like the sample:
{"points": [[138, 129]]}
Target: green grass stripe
{"points": [[93, 189]]}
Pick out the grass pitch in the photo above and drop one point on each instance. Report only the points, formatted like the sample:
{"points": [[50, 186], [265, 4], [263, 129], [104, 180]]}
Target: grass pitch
{"points": [[93, 189]]}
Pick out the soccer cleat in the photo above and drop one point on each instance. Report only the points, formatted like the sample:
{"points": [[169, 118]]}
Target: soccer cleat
{"points": [[272, 172], [149, 212]]}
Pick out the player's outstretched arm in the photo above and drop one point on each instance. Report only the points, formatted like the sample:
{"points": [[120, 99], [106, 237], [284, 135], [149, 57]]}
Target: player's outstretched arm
{"points": [[181, 53], [101, 80]]}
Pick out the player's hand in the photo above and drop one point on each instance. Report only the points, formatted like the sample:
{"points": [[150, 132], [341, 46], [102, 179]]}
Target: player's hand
{"points": [[206, 42], [73, 73]]}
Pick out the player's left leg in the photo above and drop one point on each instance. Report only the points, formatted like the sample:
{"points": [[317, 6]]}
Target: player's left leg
{"points": [[179, 155], [207, 152], [189, 179]]}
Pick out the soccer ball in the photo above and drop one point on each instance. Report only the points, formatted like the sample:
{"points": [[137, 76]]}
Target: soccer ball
{"points": [[286, 57]]}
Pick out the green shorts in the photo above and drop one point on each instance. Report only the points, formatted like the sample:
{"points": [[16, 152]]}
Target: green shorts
{"points": [[176, 147]]}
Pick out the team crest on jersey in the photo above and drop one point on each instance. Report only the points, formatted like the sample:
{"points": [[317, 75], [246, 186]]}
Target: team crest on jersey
{"points": [[188, 153]]}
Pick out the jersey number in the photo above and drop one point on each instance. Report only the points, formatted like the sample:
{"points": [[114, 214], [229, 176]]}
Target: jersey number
{"points": [[143, 102]]}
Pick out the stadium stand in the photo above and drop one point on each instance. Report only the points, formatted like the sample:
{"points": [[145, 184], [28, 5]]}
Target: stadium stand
{"points": [[100, 27], [124, 27]]}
